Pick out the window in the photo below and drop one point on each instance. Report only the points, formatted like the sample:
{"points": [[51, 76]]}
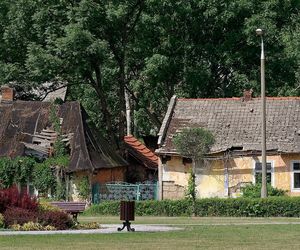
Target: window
{"points": [[258, 172], [296, 175]]}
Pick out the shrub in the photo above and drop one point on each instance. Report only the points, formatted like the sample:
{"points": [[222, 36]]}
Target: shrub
{"points": [[240, 207], [58, 219], [46, 206], [254, 191], [11, 197], [90, 225], [84, 189], [31, 226], [16, 215], [2, 224]]}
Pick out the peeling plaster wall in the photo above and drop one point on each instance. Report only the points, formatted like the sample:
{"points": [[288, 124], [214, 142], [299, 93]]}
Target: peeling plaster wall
{"points": [[109, 175], [102, 176], [212, 181]]}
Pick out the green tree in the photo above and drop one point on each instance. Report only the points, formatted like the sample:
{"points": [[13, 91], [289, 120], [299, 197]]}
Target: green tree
{"points": [[152, 48], [193, 143]]}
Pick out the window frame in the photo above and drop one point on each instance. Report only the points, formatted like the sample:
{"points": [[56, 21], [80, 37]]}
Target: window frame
{"points": [[292, 175], [272, 172]]}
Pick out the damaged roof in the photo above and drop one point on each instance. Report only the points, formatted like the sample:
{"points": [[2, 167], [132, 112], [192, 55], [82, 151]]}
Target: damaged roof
{"points": [[141, 152], [235, 123], [21, 119]]}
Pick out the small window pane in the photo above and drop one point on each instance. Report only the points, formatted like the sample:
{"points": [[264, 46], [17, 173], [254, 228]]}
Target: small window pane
{"points": [[296, 165], [296, 180], [258, 166]]}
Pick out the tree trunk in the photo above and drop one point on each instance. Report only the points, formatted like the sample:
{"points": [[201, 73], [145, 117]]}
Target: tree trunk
{"points": [[128, 113], [194, 191], [122, 111], [103, 105]]}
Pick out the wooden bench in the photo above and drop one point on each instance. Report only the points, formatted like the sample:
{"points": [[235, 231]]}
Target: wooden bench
{"points": [[73, 208]]}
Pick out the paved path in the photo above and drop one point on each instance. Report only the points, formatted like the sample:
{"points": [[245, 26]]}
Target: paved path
{"points": [[112, 228], [106, 228]]}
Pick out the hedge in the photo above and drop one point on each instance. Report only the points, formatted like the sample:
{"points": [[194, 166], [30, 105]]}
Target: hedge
{"points": [[236, 207]]}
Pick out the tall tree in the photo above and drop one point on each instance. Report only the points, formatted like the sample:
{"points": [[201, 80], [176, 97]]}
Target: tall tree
{"points": [[151, 48]]}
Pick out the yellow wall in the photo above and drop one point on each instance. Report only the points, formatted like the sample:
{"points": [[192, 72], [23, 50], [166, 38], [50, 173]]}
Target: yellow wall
{"points": [[211, 180]]}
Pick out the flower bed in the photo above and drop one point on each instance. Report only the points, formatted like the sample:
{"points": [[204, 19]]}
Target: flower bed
{"points": [[22, 212]]}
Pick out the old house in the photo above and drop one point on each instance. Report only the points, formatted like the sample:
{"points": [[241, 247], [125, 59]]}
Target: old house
{"points": [[25, 129], [235, 158], [143, 163]]}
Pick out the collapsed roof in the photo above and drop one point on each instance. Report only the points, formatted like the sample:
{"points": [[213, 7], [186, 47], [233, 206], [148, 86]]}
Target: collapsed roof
{"points": [[21, 120], [235, 123]]}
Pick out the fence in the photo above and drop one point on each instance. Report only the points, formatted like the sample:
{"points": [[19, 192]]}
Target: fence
{"points": [[124, 191]]}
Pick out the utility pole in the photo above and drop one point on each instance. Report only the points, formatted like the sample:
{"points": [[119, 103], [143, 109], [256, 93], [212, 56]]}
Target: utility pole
{"points": [[264, 194]]}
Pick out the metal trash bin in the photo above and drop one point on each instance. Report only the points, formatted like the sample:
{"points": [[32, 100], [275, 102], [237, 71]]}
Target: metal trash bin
{"points": [[127, 214]]}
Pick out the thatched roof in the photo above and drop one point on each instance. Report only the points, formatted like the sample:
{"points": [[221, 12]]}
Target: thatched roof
{"points": [[19, 120]]}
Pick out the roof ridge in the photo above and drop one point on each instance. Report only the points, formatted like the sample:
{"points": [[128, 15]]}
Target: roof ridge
{"points": [[239, 98]]}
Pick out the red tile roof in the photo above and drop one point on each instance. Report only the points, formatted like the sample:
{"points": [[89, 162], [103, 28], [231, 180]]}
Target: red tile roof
{"points": [[140, 151]]}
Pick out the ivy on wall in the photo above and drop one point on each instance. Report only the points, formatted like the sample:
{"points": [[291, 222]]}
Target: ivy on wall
{"points": [[45, 175]]}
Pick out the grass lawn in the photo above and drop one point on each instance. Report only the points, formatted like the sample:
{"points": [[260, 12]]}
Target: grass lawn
{"points": [[197, 234]]}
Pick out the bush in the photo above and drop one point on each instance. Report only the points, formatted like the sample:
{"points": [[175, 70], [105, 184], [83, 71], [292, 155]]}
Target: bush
{"points": [[239, 207], [90, 225], [11, 197], [58, 219], [84, 189], [46, 206], [2, 224], [31, 226], [16, 215], [254, 191]]}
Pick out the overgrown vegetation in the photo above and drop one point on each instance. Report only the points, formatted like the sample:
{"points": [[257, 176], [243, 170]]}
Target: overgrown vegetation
{"points": [[45, 175], [254, 191], [84, 188], [193, 143], [237, 207]]}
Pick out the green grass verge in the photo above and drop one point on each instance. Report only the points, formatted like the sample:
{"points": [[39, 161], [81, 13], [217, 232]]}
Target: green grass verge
{"points": [[198, 233], [190, 220]]}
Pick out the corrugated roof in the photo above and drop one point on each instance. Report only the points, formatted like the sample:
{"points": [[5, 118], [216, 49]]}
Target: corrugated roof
{"points": [[140, 151], [20, 119], [237, 123]]}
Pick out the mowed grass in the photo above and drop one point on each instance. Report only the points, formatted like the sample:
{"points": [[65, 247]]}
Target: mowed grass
{"points": [[197, 236], [190, 220]]}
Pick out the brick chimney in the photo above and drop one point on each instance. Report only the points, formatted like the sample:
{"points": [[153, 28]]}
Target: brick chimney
{"points": [[247, 95], [7, 94]]}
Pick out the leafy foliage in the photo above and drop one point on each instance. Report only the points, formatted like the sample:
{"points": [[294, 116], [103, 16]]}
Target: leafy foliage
{"points": [[17, 215], [2, 223], [43, 178], [193, 142], [238, 207], [254, 191], [58, 219], [11, 197], [14, 171], [191, 188], [84, 188], [155, 49]]}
